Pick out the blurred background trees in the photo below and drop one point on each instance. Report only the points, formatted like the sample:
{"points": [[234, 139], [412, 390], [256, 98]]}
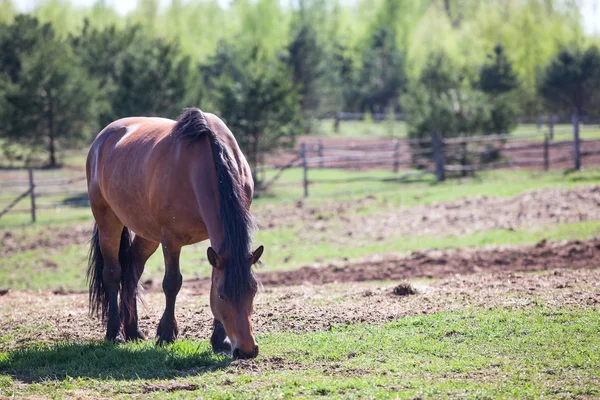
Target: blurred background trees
{"points": [[268, 67]]}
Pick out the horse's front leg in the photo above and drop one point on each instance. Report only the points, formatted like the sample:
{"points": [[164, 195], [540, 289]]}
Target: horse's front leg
{"points": [[167, 328], [219, 340]]}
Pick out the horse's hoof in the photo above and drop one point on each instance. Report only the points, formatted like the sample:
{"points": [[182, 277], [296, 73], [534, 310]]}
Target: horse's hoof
{"points": [[167, 332], [222, 347], [163, 341], [135, 336], [219, 340], [118, 338]]}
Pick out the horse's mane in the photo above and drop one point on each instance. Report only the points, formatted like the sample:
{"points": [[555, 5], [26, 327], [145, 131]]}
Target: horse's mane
{"points": [[237, 222]]}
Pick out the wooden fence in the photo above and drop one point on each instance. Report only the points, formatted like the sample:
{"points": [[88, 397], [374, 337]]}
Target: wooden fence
{"points": [[451, 157], [435, 155], [43, 189]]}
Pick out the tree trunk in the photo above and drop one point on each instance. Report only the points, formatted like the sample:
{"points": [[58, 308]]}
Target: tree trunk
{"points": [[51, 144]]}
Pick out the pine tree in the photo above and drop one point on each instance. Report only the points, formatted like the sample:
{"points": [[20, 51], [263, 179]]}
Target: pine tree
{"points": [[47, 97], [571, 82]]}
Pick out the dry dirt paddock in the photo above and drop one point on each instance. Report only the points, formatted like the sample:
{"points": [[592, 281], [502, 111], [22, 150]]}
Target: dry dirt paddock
{"points": [[315, 298]]}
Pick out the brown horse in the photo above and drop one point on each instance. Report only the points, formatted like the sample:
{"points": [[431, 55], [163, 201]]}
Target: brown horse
{"points": [[172, 183]]}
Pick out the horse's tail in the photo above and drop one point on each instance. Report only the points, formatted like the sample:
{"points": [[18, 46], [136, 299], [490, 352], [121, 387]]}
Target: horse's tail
{"points": [[98, 298]]}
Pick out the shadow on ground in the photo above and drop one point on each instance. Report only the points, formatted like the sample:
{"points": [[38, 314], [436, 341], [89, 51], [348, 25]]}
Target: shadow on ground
{"points": [[102, 360]]}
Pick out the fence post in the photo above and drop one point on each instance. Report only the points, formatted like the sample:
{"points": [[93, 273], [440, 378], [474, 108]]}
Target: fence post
{"points": [[576, 151], [552, 121], [438, 155], [396, 155], [32, 194], [320, 152], [546, 152], [305, 168], [336, 123]]}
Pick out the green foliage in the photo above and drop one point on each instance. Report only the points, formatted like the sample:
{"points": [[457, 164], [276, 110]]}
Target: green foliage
{"points": [[370, 56], [499, 81], [45, 94], [305, 59], [442, 101], [256, 98], [572, 81], [498, 77], [382, 73], [139, 75]]}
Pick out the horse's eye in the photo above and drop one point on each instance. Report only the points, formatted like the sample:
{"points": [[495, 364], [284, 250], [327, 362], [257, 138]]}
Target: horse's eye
{"points": [[221, 297]]}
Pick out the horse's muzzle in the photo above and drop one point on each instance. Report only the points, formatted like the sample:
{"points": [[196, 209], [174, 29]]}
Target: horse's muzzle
{"points": [[239, 354]]}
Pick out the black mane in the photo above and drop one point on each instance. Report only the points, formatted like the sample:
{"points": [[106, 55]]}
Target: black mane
{"points": [[237, 222]]}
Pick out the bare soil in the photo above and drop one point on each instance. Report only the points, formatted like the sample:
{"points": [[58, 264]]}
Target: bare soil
{"points": [[302, 301], [348, 222]]}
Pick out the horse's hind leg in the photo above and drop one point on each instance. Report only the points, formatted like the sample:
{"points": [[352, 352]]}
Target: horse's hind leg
{"points": [[141, 250], [167, 328], [109, 233]]}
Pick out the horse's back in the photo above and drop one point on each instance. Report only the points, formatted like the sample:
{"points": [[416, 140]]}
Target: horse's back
{"points": [[155, 182], [121, 167]]}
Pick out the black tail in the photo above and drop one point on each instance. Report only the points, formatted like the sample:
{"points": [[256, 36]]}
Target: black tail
{"points": [[98, 298]]}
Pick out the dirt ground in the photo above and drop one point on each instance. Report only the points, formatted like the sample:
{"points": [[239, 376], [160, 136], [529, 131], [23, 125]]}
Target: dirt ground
{"points": [[563, 274], [346, 221]]}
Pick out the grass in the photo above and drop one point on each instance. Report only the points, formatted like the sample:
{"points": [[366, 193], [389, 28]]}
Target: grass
{"points": [[333, 185], [64, 268], [373, 129], [531, 353], [422, 191]]}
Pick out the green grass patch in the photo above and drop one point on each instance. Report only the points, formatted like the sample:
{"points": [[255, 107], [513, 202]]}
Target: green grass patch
{"points": [[530, 353], [423, 190], [374, 129], [64, 268]]}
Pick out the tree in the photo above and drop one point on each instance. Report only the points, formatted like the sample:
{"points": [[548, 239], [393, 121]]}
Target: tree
{"points": [[304, 56], [497, 76], [46, 95], [572, 81], [441, 101], [138, 75], [382, 74], [255, 97], [498, 80]]}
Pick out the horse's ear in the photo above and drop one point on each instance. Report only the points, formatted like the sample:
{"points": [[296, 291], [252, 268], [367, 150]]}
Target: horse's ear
{"points": [[213, 257], [256, 255]]}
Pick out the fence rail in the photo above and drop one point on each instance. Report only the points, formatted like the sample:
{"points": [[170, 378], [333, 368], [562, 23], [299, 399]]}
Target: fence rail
{"points": [[454, 155], [433, 155]]}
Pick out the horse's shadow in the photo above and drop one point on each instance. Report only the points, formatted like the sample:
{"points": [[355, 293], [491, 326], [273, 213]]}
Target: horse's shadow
{"points": [[102, 360]]}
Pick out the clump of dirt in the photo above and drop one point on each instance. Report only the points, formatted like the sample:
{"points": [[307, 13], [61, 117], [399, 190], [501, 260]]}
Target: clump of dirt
{"points": [[169, 387], [404, 289]]}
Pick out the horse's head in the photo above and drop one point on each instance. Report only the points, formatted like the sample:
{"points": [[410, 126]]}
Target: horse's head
{"points": [[234, 312]]}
